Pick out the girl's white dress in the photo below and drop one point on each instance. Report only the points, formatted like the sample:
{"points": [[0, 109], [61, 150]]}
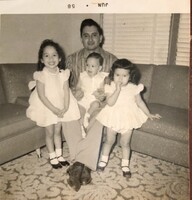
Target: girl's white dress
{"points": [[89, 85], [125, 114], [53, 83]]}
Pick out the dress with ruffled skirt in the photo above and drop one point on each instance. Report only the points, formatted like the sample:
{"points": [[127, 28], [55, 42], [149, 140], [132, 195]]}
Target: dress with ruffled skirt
{"points": [[125, 114], [53, 83]]}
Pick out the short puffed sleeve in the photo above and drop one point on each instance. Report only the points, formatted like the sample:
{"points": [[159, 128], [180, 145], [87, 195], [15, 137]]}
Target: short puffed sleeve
{"points": [[65, 74], [140, 88], [39, 76]]}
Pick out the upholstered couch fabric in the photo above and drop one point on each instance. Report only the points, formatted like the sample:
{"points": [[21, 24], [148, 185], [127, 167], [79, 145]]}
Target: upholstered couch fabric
{"points": [[15, 78], [166, 138], [166, 93], [18, 134], [170, 86]]}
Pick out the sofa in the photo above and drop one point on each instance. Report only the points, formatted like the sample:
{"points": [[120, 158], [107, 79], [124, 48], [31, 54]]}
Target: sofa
{"points": [[166, 93], [18, 134]]}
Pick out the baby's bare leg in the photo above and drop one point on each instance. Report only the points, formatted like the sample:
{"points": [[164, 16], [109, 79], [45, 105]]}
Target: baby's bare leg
{"points": [[93, 107], [82, 113]]}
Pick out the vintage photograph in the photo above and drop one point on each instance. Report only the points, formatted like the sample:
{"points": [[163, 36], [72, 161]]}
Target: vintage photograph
{"points": [[94, 106]]}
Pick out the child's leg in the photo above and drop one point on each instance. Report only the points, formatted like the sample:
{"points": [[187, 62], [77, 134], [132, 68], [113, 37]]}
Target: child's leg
{"points": [[82, 113], [49, 140], [58, 144], [126, 150], [57, 136], [93, 107], [110, 139]]}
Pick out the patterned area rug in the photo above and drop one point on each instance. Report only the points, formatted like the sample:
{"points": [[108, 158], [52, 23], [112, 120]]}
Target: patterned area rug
{"points": [[31, 178]]}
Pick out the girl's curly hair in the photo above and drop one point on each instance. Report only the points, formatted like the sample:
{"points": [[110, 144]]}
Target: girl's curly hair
{"points": [[127, 65], [59, 50]]}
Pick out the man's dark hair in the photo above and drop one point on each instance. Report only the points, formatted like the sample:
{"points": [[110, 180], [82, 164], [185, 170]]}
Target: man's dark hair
{"points": [[90, 22]]}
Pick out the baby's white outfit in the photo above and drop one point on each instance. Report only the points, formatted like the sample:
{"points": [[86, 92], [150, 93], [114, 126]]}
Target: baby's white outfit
{"points": [[90, 85], [53, 83], [125, 114]]}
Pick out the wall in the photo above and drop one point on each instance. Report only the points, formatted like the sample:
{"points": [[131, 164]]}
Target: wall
{"points": [[21, 34]]}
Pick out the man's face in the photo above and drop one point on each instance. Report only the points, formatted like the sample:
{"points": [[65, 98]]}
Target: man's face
{"points": [[91, 38]]}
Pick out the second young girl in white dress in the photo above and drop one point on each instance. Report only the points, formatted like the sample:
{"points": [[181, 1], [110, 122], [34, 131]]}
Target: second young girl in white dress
{"points": [[125, 110]]}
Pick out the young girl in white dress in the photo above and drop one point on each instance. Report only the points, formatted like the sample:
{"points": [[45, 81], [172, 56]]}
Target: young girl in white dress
{"points": [[91, 83], [125, 111], [51, 102]]}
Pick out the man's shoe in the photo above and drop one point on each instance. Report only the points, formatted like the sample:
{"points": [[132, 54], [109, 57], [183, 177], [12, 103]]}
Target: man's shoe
{"points": [[75, 176], [69, 169], [86, 176]]}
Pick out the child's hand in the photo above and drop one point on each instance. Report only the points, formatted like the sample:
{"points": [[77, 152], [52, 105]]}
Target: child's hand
{"points": [[154, 116], [58, 112], [61, 114], [99, 95], [118, 85]]}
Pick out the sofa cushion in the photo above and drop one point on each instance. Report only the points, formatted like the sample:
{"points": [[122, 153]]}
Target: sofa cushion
{"points": [[160, 147], [170, 86], [173, 124], [15, 79], [13, 120], [146, 79]]}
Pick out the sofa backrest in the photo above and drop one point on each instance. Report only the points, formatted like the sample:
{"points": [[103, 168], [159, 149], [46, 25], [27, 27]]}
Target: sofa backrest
{"points": [[14, 79], [146, 79], [170, 86]]}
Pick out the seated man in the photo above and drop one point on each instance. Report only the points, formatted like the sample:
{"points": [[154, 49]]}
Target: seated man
{"points": [[86, 153]]}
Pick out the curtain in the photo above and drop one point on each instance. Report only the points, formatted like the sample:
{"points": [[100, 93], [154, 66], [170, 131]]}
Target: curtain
{"points": [[183, 41]]}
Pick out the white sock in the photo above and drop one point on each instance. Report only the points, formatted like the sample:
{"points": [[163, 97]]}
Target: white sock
{"points": [[105, 160], [59, 154], [125, 164], [52, 156]]}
